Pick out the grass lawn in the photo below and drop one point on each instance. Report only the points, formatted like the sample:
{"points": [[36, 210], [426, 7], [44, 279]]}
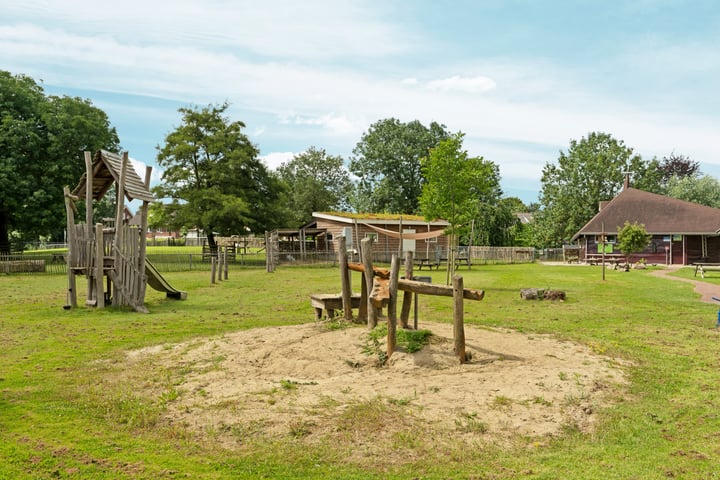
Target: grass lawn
{"points": [[59, 418]]}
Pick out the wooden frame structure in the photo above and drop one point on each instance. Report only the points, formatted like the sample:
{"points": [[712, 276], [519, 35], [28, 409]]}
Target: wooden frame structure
{"points": [[116, 251], [381, 286]]}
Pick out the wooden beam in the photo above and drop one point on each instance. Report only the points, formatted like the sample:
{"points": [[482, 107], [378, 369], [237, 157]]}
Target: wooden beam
{"points": [[435, 289], [377, 271]]}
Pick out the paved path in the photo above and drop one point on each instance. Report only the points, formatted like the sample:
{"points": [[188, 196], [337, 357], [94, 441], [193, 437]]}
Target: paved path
{"points": [[706, 290]]}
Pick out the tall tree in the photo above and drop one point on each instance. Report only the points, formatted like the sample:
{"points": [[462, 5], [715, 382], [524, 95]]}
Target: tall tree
{"points": [[592, 170], [387, 163], [42, 139], [456, 187], [213, 177], [316, 182]]}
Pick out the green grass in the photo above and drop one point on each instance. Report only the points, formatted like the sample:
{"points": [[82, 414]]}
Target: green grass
{"points": [[59, 417]]}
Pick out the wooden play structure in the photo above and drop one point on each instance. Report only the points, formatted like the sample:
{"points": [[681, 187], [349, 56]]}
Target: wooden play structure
{"points": [[112, 254], [381, 287]]}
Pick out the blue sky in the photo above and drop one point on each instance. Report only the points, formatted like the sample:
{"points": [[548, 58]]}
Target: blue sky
{"points": [[519, 78]]}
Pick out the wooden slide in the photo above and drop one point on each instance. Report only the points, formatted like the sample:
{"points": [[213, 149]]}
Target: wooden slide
{"points": [[158, 282]]}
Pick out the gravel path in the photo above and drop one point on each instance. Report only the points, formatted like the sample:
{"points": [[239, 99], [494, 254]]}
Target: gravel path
{"points": [[706, 290]]}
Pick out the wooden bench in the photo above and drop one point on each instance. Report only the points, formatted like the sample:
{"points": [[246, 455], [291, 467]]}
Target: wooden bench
{"points": [[703, 267], [330, 302]]}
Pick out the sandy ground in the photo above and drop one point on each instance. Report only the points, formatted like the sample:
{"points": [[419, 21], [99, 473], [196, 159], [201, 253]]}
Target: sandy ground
{"points": [[309, 380]]}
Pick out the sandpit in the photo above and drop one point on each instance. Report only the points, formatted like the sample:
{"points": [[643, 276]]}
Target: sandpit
{"points": [[310, 381]]}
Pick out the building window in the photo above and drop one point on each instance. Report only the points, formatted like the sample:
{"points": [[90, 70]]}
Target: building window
{"points": [[608, 239], [374, 236], [329, 237]]}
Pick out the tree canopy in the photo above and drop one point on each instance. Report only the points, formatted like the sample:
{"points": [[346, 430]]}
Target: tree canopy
{"points": [[592, 170], [387, 163], [42, 140], [457, 184], [213, 177], [632, 237], [704, 190], [316, 182]]}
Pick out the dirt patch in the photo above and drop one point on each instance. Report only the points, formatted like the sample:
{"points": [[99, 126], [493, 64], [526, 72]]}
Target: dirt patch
{"points": [[309, 381]]}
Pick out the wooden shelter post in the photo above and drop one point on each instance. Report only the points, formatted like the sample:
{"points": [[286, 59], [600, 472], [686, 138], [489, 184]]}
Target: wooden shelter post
{"points": [[99, 265], [88, 225]]}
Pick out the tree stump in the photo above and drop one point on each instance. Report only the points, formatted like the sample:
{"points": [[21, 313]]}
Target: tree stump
{"points": [[554, 295], [531, 293]]}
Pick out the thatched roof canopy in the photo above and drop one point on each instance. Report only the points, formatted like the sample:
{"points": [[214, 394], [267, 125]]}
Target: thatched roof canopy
{"points": [[106, 171]]}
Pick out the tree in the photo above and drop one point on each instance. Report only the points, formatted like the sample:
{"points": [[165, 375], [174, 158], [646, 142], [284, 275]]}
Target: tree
{"points": [[213, 177], [591, 171], [704, 190], [632, 238], [42, 140], [676, 165], [387, 163], [316, 182], [456, 186]]}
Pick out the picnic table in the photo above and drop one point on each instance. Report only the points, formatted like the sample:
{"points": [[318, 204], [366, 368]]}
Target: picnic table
{"points": [[614, 259], [702, 267], [427, 262]]}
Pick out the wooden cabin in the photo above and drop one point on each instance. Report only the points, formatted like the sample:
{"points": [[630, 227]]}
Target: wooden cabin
{"points": [[682, 232], [426, 239]]}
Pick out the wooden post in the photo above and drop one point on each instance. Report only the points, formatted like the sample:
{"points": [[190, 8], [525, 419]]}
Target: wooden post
{"points": [[225, 263], [458, 313], [407, 296], [143, 240], [72, 246], [345, 278], [363, 309], [213, 263], [366, 250], [219, 262], [89, 226], [392, 305], [99, 261], [118, 261]]}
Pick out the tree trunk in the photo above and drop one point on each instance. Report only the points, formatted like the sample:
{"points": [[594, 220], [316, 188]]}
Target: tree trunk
{"points": [[212, 244], [4, 234]]}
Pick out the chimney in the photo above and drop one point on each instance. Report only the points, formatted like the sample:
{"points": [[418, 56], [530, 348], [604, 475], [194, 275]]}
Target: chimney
{"points": [[626, 183]]}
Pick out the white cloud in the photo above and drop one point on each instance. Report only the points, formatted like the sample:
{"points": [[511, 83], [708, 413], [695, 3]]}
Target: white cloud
{"points": [[274, 159], [457, 83]]}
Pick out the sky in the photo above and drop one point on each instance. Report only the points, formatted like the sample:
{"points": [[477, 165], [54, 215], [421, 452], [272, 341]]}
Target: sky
{"points": [[520, 79]]}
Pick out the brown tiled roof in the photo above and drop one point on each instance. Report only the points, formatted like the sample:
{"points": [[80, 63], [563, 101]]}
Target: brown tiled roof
{"points": [[659, 214]]}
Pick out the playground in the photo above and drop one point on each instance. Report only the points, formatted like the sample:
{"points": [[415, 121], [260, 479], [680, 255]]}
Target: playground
{"points": [[240, 381]]}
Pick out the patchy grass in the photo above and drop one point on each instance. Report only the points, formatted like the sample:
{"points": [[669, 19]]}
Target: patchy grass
{"points": [[60, 419]]}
